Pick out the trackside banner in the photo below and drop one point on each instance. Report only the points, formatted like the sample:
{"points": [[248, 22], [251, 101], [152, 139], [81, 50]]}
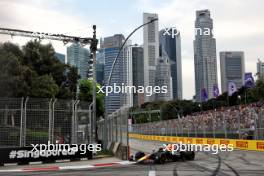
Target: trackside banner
{"points": [[29, 154], [256, 145]]}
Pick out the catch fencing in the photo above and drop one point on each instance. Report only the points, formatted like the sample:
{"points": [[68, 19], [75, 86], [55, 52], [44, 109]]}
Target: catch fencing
{"points": [[115, 128], [26, 121]]}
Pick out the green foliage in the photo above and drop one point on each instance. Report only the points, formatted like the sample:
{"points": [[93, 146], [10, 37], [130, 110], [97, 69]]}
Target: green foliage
{"points": [[35, 71], [44, 86], [86, 94], [258, 92]]}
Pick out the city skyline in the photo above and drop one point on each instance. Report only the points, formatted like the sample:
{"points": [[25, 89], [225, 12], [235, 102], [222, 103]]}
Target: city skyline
{"points": [[234, 30]]}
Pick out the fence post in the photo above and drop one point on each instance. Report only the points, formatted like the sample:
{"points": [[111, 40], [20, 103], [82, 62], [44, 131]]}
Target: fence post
{"points": [[181, 127], [50, 122], [225, 125], [171, 128], [90, 123], [21, 123], [195, 129], [111, 126], [239, 125], [120, 123], [213, 121], [256, 137], [204, 130], [73, 123], [188, 130], [116, 129], [76, 120], [110, 130], [176, 129], [25, 124], [111, 119]]}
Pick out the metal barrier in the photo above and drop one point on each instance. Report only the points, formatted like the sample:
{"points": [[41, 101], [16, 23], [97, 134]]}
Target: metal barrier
{"points": [[26, 121], [115, 127], [240, 122]]}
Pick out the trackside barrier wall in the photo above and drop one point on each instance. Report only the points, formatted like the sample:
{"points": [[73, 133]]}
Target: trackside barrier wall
{"points": [[114, 131], [255, 145]]}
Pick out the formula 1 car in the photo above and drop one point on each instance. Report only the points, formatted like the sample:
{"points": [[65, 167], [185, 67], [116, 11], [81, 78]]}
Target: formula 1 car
{"points": [[161, 156]]}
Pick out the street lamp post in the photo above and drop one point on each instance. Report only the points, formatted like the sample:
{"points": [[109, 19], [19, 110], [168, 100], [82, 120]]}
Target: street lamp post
{"points": [[93, 48], [112, 68]]}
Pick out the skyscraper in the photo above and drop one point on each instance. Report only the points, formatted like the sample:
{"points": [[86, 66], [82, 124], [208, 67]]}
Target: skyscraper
{"points": [[138, 73], [170, 46], [232, 65], [79, 57], [100, 66], [151, 51], [260, 69], [60, 57], [204, 55], [163, 78], [120, 74]]}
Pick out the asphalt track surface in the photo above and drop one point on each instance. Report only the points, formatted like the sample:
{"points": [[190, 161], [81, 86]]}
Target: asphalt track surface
{"points": [[235, 163]]}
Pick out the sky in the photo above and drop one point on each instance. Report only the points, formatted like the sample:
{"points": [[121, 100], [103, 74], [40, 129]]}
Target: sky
{"points": [[238, 25]]}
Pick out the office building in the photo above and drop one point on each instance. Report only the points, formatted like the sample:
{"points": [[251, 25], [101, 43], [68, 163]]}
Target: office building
{"points": [[151, 51], [232, 65], [204, 55], [138, 74], [60, 57], [163, 78], [121, 75], [170, 46], [79, 57], [260, 69], [100, 66]]}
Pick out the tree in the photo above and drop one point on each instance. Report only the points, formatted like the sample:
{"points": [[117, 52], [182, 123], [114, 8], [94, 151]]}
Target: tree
{"points": [[13, 74], [44, 87], [258, 91], [68, 88], [86, 94], [21, 69]]}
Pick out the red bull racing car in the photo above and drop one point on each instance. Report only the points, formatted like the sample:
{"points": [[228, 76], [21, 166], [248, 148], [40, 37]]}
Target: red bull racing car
{"points": [[161, 156]]}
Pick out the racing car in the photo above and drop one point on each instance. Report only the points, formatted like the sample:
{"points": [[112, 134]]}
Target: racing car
{"points": [[161, 156]]}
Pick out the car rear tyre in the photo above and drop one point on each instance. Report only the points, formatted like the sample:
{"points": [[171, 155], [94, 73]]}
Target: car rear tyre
{"points": [[162, 159], [183, 157], [192, 156]]}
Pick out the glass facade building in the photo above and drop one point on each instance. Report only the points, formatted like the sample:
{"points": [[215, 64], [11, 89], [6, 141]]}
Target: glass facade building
{"points": [[170, 47], [79, 57], [138, 73], [205, 63], [121, 72], [232, 65]]}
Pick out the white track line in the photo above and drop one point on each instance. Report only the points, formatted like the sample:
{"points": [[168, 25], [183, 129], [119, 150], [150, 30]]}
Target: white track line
{"points": [[152, 173]]}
